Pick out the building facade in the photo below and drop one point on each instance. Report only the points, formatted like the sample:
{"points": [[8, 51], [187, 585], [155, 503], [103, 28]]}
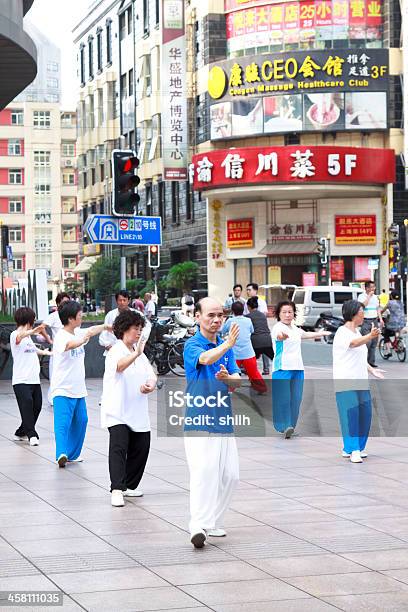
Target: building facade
{"points": [[38, 183]]}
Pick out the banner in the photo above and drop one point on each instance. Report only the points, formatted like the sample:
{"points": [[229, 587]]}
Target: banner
{"points": [[173, 88], [240, 233], [356, 229]]}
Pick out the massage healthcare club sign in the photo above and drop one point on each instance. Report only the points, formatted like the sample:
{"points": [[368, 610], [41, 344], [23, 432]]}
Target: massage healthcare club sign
{"points": [[294, 164]]}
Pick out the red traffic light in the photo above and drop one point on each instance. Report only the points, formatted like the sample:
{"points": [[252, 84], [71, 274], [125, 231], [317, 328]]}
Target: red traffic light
{"points": [[153, 249], [128, 164]]}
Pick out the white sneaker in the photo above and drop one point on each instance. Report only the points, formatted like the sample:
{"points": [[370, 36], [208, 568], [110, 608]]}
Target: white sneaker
{"points": [[117, 498], [216, 533], [288, 433], [133, 493], [34, 441], [356, 457], [198, 539], [20, 438], [363, 454], [345, 455]]}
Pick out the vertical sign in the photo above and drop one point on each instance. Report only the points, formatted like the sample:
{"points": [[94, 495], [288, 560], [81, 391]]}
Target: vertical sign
{"points": [[173, 86]]}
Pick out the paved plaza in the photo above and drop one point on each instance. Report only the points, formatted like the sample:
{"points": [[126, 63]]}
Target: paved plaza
{"points": [[307, 531]]}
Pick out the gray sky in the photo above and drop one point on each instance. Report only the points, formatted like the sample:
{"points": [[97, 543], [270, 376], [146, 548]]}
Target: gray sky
{"points": [[56, 18]]}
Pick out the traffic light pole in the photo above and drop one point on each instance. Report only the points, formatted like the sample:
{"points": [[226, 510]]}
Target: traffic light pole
{"points": [[328, 265], [122, 268]]}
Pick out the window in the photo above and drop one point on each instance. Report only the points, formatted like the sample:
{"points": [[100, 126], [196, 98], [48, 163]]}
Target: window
{"points": [[147, 76], [42, 159], [69, 233], [148, 199], [42, 189], [15, 206], [129, 20], [299, 297], [109, 41], [42, 119], [52, 83], [52, 66], [189, 202], [68, 149], [148, 140], [14, 146], [15, 234], [67, 120], [342, 296], [99, 49], [130, 84], [123, 86], [68, 178], [82, 63], [43, 245], [68, 262], [321, 297], [18, 264], [42, 218], [90, 57], [15, 176], [17, 117], [156, 12], [162, 202], [122, 26], [68, 205], [154, 151], [175, 203], [145, 16]]}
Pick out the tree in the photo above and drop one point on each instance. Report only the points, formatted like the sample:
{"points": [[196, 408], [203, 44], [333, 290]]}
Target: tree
{"points": [[105, 274], [182, 276]]}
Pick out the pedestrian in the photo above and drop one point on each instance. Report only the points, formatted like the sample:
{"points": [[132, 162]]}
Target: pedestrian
{"points": [[236, 296], [137, 303], [350, 373], [150, 307], [372, 316], [288, 368], [187, 304], [53, 322], [26, 373], [383, 299], [261, 338], [68, 388], [108, 339], [243, 350], [211, 449], [252, 291], [127, 381], [396, 320]]}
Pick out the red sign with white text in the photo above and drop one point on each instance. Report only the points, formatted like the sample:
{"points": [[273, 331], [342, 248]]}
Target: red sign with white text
{"points": [[240, 233], [356, 229], [294, 164]]}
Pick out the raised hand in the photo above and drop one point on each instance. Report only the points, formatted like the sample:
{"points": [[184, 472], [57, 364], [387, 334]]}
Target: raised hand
{"points": [[233, 335], [375, 331], [222, 373], [282, 336], [140, 346]]}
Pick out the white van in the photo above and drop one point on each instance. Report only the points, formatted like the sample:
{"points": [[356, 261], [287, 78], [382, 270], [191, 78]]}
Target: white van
{"points": [[311, 301]]}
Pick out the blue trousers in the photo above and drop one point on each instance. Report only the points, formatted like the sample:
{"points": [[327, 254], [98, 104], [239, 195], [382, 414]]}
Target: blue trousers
{"points": [[354, 408], [70, 421], [287, 391]]}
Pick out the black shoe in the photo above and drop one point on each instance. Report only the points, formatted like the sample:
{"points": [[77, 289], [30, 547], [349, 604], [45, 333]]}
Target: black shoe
{"points": [[198, 539], [373, 365], [265, 373]]}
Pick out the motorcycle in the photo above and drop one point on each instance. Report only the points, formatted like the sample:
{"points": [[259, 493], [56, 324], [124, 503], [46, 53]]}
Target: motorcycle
{"points": [[329, 322], [165, 342]]}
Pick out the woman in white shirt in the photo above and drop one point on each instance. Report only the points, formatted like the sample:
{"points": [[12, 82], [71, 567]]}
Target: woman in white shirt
{"points": [[26, 373], [288, 368], [53, 321], [350, 373], [127, 381]]}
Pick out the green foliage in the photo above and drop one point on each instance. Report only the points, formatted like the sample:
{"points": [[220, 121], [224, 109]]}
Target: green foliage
{"points": [[182, 276], [105, 275]]}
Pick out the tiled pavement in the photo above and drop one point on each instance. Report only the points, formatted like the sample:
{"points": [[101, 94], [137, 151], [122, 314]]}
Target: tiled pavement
{"points": [[307, 532]]}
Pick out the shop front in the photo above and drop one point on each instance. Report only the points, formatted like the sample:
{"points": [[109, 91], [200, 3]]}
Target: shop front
{"points": [[267, 207]]}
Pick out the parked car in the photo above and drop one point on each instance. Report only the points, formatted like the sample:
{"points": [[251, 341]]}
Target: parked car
{"points": [[312, 301]]}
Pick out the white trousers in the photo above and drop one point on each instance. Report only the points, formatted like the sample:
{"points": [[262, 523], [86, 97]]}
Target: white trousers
{"points": [[214, 473]]}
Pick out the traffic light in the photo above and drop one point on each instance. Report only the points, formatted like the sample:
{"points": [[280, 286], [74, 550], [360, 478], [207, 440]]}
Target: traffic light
{"points": [[393, 234], [154, 256], [124, 198], [4, 241], [322, 250]]}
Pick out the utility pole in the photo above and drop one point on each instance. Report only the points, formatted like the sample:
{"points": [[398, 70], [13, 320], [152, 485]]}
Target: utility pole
{"points": [[328, 274], [122, 268]]}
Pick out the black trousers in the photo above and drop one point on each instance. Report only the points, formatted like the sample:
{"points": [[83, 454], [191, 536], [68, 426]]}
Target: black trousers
{"points": [[128, 453], [29, 400], [264, 350]]}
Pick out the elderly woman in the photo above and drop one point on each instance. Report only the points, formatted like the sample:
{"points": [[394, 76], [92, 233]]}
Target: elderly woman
{"points": [[127, 381], [350, 372]]}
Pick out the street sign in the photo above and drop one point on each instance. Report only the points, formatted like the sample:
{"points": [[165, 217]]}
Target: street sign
{"points": [[104, 229], [9, 251], [373, 264]]}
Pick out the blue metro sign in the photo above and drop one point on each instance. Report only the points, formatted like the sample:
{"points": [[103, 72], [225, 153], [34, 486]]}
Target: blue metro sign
{"points": [[104, 229]]}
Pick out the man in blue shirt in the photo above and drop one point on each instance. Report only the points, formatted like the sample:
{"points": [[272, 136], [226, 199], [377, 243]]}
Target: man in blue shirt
{"points": [[243, 349], [211, 452]]}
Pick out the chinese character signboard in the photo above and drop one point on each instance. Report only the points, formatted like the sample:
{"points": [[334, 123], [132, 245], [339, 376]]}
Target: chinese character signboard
{"points": [[337, 269], [309, 279], [240, 233], [217, 250], [173, 87], [356, 229], [316, 90], [361, 270], [302, 231], [293, 164]]}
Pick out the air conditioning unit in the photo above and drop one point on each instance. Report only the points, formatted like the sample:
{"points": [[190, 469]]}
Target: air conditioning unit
{"points": [[68, 163]]}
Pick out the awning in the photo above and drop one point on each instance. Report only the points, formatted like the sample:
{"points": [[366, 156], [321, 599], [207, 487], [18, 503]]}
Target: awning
{"points": [[283, 247], [85, 264]]}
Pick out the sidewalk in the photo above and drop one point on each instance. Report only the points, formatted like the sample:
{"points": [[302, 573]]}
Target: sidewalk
{"points": [[308, 530]]}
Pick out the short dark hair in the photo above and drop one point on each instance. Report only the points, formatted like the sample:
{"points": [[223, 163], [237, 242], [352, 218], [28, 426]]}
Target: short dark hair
{"points": [[61, 296], [394, 295], [236, 286], [24, 315], [137, 296], [350, 309], [123, 293], [368, 284], [237, 308], [252, 302], [69, 311], [125, 320], [283, 303], [253, 285]]}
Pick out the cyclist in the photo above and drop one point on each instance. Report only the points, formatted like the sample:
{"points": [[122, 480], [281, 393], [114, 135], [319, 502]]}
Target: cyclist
{"points": [[396, 320]]}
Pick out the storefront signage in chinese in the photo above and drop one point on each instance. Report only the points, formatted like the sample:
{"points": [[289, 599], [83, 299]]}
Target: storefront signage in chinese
{"points": [[293, 231], [173, 88], [240, 233], [217, 250], [356, 229], [337, 269], [293, 164]]}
